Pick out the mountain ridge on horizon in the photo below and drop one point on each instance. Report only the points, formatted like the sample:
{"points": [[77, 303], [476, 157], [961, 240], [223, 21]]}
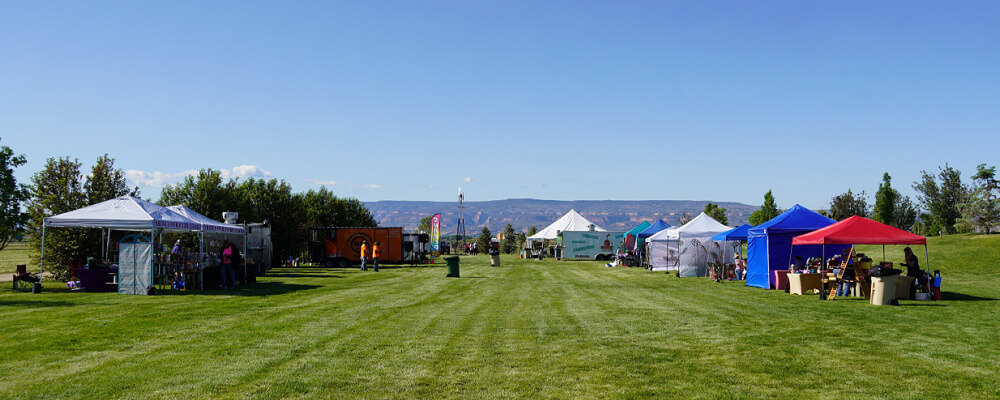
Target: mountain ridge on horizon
{"points": [[614, 215]]}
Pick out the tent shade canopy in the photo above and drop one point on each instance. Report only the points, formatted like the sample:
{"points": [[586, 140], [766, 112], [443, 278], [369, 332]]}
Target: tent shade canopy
{"points": [[208, 224], [737, 233], [630, 235], [653, 229], [572, 221], [859, 230], [125, 213]]}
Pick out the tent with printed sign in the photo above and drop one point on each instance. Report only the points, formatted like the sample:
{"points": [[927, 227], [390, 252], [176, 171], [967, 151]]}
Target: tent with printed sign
{"points": [[769, 245], [572, 221], [629, 241], [688, 248]]}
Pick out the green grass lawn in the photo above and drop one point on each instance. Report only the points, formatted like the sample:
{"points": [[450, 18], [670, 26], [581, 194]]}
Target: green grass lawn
{"points": [[16, 253], [528, 329]]}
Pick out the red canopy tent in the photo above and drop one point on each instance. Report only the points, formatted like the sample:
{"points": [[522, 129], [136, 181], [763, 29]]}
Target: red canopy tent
{"points": [[859, 230]]}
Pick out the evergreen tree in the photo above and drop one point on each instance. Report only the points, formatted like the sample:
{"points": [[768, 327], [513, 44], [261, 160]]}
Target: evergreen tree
{"points": [[12, 220], [891, 207], [719, 214], [942, 199], [982, 209], [106, 182], [425, 224], [508, 245], [484, 239], [766, 211], [532, 231], [846, 205]]}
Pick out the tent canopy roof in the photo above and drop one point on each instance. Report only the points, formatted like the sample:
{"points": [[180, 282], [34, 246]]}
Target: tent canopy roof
{"points": [[638, 228], [700, 225], [737, 233], [797, 219], [126, 212], [210, 225], [657, 226], [572, 221], [859, 230]]}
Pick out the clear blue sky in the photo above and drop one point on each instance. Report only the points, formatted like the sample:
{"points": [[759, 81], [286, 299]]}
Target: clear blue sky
{"points": [[383, 100]]}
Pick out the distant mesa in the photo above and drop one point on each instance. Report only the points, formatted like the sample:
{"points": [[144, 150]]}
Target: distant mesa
{"points": [[615, 215]]}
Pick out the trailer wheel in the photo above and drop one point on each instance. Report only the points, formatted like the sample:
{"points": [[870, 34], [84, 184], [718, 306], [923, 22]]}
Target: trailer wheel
{"points": [[328, 263], [342, 263]]}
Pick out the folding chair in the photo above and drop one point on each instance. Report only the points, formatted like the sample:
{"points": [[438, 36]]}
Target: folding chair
{"points": [[23, 279]]}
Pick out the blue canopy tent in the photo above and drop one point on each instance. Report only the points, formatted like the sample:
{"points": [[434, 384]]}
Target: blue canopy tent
{"points": [[737, 233], [629, 242], [640, 241], [769, 245]]}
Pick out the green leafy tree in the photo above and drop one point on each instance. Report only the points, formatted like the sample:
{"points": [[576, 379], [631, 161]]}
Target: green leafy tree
{"points": [[891, 207], [942, 195], [12, 220], [207, 193], [522, 239], [57, 189], [846, 205], [105, 182], [532, 231], [425, 224], [508, 245], [718, 214], [272, 200], [766, 211], [483, 241], [982, 209]]}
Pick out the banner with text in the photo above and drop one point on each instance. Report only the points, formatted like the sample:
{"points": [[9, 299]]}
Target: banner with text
{"points": [[436, 235]]}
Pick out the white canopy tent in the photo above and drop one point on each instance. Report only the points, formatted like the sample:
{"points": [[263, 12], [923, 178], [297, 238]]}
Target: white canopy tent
{"points": [[688, 248], [125, 213], [572, 221], [209, 225]]}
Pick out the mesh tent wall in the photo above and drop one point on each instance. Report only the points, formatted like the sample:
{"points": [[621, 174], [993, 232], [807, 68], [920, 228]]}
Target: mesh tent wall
{"points": [[688, 248], [769, 245]]}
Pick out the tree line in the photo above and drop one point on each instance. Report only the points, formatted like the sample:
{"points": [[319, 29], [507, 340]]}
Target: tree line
{"points": [[61, 186], [947, 205]]}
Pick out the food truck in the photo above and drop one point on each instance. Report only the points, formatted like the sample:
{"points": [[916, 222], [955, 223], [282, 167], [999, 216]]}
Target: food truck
{"points": [[588, 245]]}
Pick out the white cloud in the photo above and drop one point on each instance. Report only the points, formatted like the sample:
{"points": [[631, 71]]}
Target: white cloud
{"points": [[372, 186], [322, 182], [160, 179], [245, 171], [155, 179], [467, 179]]}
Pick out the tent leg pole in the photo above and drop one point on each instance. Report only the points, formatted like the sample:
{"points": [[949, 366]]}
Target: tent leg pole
{"points": [[41, 261], [883, 253], [822, 265]]}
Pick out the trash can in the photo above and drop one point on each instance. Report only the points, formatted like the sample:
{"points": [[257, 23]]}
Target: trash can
{"points": [[452, 266], [883, 289]]}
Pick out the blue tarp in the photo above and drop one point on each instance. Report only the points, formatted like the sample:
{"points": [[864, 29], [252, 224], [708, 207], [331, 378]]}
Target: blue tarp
{"points": [[769, 245], [629, 239], [737, 233]]}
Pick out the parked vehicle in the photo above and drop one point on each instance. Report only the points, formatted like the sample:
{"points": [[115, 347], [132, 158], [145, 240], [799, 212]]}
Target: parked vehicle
{"points": [[588, 245], [341, 246]]}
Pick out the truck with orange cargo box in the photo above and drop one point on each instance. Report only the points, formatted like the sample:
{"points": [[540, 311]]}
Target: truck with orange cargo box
{"points": [[341, 246]]}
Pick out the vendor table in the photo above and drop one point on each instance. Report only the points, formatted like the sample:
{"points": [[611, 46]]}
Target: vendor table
{"points": [[800, 283]]}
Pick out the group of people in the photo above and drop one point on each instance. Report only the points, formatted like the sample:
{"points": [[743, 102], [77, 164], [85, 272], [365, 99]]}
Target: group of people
{"points": [[374, 255]]}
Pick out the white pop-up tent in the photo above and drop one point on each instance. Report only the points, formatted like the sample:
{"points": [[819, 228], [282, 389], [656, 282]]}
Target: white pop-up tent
{"points": [[124, 213], [688, 248], [572, 221]]}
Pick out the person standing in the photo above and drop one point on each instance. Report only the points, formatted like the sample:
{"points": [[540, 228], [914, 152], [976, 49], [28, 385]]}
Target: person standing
{"points": [[227, 255], [364, 254], [375, 255]]}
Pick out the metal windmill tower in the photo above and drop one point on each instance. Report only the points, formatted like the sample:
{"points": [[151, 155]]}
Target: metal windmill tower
{"points": [[460, 234]]}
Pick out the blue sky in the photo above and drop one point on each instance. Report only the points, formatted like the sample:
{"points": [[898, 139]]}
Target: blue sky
{"points": [[385, 100]]}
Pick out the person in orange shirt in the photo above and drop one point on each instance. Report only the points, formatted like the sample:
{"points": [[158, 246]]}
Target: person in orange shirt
{"points": [[364, 254], [375, 255]]}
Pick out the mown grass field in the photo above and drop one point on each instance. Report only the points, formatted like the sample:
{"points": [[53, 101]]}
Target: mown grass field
{"points": [[14, 254], [528, 329]]}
